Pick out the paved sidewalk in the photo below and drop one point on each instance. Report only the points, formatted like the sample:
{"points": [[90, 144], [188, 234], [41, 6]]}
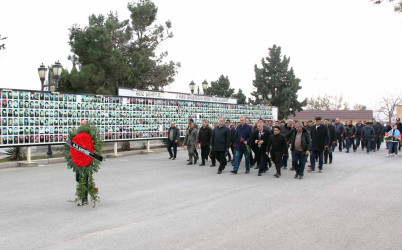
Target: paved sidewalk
{"points": [[150, 202]]}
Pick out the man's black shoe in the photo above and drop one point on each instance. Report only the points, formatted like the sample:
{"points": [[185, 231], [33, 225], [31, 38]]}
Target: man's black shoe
{"points": [[259, 174], [277, 175], [247, 172], [256, 167], [170, 157], [347, 152], [213, 165], [219, 171], [291, 169], [285, 167], [195, 160], [190, 163], [202, 164], [233, 172], [300, 177], [296, 175], [174, 158]]}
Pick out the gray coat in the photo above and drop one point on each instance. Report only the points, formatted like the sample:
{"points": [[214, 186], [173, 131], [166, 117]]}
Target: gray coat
{"points": [[191, 137]]}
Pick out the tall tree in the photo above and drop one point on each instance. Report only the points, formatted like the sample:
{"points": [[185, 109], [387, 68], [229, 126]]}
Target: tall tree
{"points": [[240, 97], [110, 53], [397, 7], [275, 76], [386, 105], [2, 45], [220, 87]]}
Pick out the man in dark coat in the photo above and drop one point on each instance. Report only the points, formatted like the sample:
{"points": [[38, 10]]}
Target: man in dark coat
{"points": [[300, 145], [220, 142], [286, 130], [233, 140], [204, 138], [378, 131], [243, 140], [368, 136], [350, 132], [277, 148], [319, 143], [173, 140], [359, 126], [399, 125], [260, 139], [340, 130], [332, 142]]}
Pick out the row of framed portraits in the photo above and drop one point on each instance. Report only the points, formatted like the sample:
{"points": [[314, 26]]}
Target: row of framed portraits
{"points": [[34, 117]]}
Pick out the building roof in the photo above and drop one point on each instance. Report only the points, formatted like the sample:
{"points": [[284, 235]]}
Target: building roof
{"points": [[332, 114]]}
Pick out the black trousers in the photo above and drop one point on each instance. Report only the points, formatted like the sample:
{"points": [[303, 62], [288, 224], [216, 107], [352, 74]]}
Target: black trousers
{"points": [[261, 160], [278, 166], [328, 153], [169, 147], [220, 156], [340, 141], [358, 140], [213, 157], [204, 153], [195, 152]]}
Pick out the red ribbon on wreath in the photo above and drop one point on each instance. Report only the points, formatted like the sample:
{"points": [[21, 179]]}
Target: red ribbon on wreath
{"points": [[85, 141]]}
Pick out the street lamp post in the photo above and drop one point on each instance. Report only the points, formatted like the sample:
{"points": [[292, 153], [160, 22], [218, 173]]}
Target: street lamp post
{"points": [[57, 68], [204, 85], [192, 87]]}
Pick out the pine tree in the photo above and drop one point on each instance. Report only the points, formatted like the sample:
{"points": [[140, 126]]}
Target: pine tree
{"points": [[221, 87], [275, 76]]}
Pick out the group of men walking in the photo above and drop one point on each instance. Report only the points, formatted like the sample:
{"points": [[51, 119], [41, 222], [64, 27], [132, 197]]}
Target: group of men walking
{"points": [[264, 143]]}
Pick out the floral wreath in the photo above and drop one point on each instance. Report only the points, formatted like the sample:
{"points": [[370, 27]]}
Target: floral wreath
{"points": [[87, 137]]}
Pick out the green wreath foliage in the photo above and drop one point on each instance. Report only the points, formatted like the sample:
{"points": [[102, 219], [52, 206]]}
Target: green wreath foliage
{"points": [[84, 172]]}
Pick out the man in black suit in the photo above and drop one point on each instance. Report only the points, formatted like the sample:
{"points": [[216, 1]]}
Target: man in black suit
{"points": [[319, 143], [260, 139], [220, 143], [278, 148]]}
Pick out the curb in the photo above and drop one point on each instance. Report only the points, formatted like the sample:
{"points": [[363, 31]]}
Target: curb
{"points": [[21, 164]]}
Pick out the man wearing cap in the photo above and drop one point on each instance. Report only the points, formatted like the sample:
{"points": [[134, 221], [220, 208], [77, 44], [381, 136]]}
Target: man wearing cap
{"points": [[319, 143]]}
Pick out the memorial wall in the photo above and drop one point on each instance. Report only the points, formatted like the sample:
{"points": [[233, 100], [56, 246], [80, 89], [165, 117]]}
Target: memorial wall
{"points": [[41, 118]]}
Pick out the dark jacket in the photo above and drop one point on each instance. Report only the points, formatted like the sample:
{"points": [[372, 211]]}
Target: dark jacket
{"points": [[220, 140], [244, 132], [368, 133], [387, 128], [286, 131], [319, 137], [264, 137], [332, 134], [399, 126], [306, 140], [277, 147], [232, 136], [359, 128], [204, 136], [176, 133], [377, 130], [350, 131], [339, 128]]}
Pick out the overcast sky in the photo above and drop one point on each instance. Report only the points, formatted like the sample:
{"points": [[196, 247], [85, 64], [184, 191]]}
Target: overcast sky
{"points": [[336, 47]]}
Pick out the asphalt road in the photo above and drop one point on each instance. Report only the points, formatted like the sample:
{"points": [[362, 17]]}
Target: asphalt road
{"points": [[150, 202]]}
